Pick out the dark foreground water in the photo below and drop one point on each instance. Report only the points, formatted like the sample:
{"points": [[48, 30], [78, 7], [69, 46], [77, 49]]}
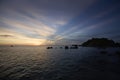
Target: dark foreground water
{"points": [[39, 63]]}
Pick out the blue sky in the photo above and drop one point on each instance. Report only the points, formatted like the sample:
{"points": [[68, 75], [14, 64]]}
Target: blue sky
{"points": [[39, 22]]}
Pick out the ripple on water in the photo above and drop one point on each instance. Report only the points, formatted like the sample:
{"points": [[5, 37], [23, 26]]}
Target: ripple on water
{"points": [[38, 63]]}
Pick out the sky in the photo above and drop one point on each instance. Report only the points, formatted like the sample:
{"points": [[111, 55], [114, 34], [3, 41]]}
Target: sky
{"points": [[45, 22]]}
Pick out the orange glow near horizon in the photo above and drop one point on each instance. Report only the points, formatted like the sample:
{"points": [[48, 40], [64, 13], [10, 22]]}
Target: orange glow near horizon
{"points": [[21, 42], [12, 38]]}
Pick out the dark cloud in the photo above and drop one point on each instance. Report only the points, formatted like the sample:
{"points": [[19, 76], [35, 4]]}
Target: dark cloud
{"points": [[53, 8], [7, 36]]}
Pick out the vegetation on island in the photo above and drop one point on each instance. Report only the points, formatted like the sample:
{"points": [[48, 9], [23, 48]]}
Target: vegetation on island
{"points": [[100, 42]]}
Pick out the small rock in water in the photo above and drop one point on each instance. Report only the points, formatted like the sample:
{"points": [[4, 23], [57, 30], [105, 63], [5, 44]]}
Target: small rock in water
{"points": [[49, 47], [66, 47]]}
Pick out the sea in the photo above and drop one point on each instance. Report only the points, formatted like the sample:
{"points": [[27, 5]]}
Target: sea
{"points": [[40, 63]]}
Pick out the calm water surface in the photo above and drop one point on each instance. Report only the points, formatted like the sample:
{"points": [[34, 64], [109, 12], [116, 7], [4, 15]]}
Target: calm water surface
{"points": [[39, 63]]}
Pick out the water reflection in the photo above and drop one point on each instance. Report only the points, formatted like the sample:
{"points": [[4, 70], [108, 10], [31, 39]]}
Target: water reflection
{"points": [[39, 63]]}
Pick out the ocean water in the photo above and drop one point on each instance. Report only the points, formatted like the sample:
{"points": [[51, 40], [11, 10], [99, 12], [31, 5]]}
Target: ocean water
{"points": [[39, 63]]}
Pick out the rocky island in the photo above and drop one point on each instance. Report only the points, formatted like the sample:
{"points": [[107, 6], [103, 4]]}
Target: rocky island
{"points": [[100, 42]]}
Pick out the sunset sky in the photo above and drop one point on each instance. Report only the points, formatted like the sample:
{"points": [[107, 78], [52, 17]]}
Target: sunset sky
{"points": [[43, 22]]}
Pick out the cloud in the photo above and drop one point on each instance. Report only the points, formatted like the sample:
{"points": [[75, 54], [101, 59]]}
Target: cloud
{"points": [[52, 19], [6, 36], [33, 27], [41, 16], [85, 25], [54, 12]]}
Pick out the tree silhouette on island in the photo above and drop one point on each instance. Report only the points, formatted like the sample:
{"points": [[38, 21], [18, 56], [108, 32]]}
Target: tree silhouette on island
{"points": [[100, 42], [94, 42]]}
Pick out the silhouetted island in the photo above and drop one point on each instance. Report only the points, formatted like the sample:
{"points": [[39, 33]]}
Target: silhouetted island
{"points": [[100, 42]]}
